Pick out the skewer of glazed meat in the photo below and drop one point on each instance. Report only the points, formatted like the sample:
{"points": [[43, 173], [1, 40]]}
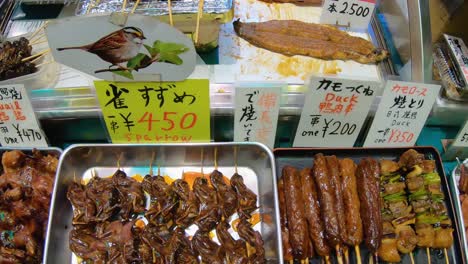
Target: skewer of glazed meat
{"points": [[397, 215], [368, 176], [312, 214], [433, 226], [297, 223], [335, 181], [351, 205]]}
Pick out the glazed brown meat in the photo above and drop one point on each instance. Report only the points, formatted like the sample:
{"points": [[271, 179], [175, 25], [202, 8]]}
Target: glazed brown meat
{"points": [[292, 37], [209, 211], [227, 197], [209, 251], [287, 250], [187, 208], [368, 176], [312, 212], [235, 249], [246, 198], [297, 224], [351, 202], [410, 158], [327, 200], [131, 197], [334, 173]]}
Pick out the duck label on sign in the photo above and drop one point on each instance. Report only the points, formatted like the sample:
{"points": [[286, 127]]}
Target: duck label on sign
{"points": [[144, 49]]}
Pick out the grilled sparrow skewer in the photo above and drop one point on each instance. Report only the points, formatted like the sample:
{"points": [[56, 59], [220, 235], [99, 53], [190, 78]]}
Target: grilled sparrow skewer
{"points": [[117, 47]]}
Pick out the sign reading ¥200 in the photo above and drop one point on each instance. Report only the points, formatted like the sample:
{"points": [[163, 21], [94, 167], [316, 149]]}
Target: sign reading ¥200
{"points": [[145, 112]]}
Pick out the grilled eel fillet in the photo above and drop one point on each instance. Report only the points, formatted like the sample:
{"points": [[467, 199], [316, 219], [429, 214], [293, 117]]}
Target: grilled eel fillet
{"points": [[291, 37]]}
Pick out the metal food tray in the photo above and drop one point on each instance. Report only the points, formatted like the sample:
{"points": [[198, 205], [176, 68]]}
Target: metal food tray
{"points": [[453, 184], [152, 7], [303, 157], [255, 163]]}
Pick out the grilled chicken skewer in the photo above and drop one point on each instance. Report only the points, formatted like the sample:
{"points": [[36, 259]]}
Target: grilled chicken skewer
{"points": [[433, 225], [397, 215]]}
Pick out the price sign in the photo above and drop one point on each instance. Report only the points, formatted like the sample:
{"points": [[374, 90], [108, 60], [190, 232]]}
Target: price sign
{"points": [[401, 114], [18, 123], [256, 115], [334, 112], [459, 147], [156, 112], [352, 13]]}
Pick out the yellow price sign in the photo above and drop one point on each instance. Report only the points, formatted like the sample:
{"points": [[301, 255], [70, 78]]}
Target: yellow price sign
{"points": [[150, 112]]}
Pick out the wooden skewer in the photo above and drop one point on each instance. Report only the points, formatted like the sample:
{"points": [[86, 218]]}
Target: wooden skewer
{"points": [[151, 163], [37, 58], [135, 6], [346, 255], [235, 160], [339, 257], [45, 63], [38, 30], [327, 259], [124, 5], [291, 261], [428, 251], [201, 169], [40, 40], [216, 158], [358, 254], [169, 8], [446, 256], [36, 55], [411, 257], [118, 160], [199, 15]]}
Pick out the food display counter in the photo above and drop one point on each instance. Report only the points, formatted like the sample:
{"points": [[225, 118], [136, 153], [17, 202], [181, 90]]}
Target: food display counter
{"points": [[224, 201]]}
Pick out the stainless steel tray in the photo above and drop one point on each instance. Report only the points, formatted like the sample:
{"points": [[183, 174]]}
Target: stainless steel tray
{"points": [[255, 163], [453, 185], [303, 157]]}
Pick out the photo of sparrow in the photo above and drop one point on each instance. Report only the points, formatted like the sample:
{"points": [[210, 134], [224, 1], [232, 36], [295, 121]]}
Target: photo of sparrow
{"points": [[117, 47]]}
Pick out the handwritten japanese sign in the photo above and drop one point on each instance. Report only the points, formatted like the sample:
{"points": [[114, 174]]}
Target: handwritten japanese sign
{"points": [[353, 13], [256, 114], [401, 114], [18, 123], [156, 112], [334, 112]]}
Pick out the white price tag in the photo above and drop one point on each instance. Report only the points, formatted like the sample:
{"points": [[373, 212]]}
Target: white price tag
{"points": [[459, 147], [334, 112], [401, 114], [256, 115], [18, 123], [353, 13]]}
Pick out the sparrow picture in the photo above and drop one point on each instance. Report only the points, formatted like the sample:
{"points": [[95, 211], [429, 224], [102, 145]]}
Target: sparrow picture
{"points": [[117, 47]]}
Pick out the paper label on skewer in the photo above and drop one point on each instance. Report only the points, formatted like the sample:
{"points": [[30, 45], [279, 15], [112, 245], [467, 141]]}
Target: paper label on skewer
{"points": [[459, 147], [18, 123], [334, 111], [256, 114], [401, 114], [156, 111], [355, 14]]}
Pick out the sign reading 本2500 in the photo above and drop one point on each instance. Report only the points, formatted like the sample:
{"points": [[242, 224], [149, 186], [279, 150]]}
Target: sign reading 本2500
{"points": [[156, 112]]}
